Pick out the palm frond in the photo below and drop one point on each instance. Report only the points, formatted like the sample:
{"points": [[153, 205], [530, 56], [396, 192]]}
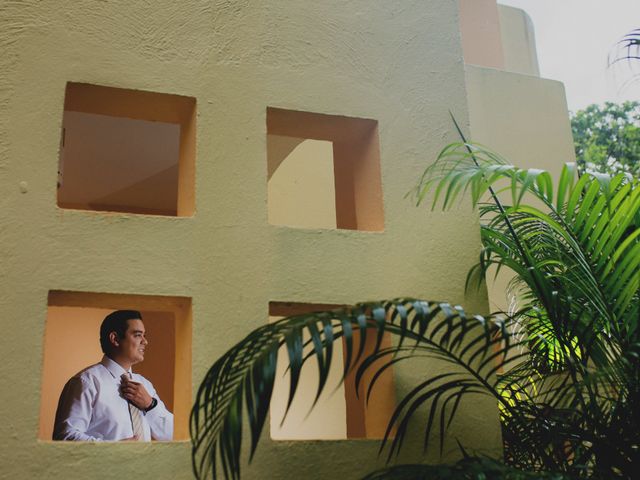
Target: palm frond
{"points": [[563, 368], [576, 259], [586, 242], [242, 380], [627, 51]]}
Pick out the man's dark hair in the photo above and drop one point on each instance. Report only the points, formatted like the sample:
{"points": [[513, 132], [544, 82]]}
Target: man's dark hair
{"points": [[118, 322]]}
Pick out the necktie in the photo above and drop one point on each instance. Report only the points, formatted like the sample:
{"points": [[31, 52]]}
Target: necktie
{"points": [[136, 418]]}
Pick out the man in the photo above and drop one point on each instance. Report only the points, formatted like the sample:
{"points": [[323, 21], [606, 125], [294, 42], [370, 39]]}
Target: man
{"points": [[107, 401]]}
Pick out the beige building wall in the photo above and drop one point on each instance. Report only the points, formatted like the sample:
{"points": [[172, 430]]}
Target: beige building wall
{"points": [[101, 170], [518, 41], [498, 36], [301, 189], [525, 119], [402, 67], [480, 31], [512, 111]]}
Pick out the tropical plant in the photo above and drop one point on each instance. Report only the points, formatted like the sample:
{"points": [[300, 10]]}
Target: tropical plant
{"points": [[563, 368], [607, 138]]}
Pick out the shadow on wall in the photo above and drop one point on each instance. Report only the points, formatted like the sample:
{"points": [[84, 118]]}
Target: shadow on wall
{"points": [[324, 171], [127, 150]]}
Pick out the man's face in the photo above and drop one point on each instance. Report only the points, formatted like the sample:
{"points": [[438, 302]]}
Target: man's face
{"points": [[131, 348]]}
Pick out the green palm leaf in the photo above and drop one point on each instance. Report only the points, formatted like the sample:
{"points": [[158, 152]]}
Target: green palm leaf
{"points": [[242, 380], [563, 368], [575, 255], [586, 243], [627, 50]]}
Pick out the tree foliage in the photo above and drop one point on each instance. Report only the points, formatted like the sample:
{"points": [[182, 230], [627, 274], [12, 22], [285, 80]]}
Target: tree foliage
{"points": [[607, 138]]}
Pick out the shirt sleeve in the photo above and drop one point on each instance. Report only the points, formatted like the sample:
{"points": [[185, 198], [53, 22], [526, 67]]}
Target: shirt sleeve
{"points": [[159, 418], [74, 411]]}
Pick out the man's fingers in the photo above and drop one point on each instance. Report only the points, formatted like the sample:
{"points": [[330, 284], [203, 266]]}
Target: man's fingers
{"points": [[130, 388], [135, 393], [132, 397], [125, 379], [130, 382]]}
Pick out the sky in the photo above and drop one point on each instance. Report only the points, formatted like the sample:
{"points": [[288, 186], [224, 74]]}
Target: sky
{"points": [[574, 39]]}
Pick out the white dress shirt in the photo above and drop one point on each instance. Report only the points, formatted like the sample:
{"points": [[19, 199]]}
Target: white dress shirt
{"points": [[91, 407]]}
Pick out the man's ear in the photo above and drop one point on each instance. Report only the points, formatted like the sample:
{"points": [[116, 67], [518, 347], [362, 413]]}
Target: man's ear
{"points": [[113, 339]]}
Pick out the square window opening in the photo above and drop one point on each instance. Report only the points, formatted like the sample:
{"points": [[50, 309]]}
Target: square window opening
{"points": [[339, 413], [127, 151], [71, 343], [323, 171]]}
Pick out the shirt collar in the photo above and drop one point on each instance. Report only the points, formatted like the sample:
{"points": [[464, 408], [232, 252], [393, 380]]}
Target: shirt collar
{"points": [[114, 368]]}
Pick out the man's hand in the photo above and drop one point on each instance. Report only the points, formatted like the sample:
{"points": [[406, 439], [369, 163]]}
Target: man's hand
{"points": [[135, 393]]}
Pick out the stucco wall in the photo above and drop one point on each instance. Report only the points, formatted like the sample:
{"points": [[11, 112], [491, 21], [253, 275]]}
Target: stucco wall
{"points": [[397, 62], [526, 120], [480, 31], [301, 190], [518, 41], [523, 117]]}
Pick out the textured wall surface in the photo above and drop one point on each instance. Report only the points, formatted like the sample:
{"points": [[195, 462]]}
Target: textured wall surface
{"points": [[525, 119], [480, 32], [397, 62], [518, 41]]}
